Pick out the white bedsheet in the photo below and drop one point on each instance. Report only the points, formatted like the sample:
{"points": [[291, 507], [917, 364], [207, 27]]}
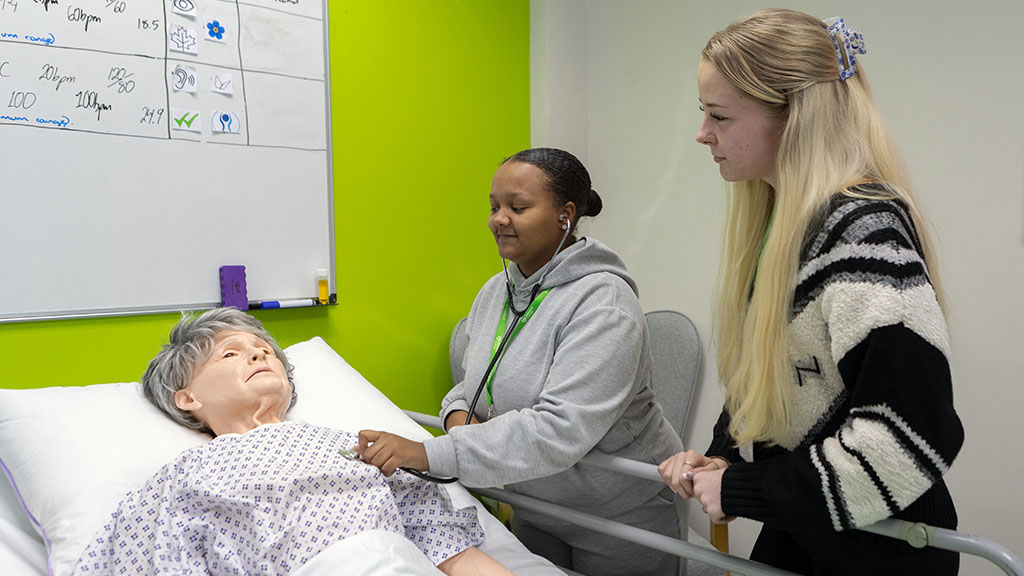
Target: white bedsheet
{"points": [[374, 553], [381, 553], [370, 553]]}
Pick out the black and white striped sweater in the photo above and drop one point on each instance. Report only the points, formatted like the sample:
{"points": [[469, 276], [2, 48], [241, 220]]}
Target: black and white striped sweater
{"points": [[873, 426]]}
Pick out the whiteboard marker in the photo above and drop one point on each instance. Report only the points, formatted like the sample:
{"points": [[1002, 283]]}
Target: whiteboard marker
{"points": [[297, 303]]}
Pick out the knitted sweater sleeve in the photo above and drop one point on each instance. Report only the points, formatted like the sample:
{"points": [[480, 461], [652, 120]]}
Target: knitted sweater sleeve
{"points": [[890, 432], [722, 445]]}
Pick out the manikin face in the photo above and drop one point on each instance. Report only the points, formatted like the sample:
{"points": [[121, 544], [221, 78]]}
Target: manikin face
{"points": [[743, 135], [524, 217], [242, 385]]}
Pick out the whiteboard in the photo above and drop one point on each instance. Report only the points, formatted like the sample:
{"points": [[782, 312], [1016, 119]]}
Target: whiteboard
{"points": [[146, 143]]}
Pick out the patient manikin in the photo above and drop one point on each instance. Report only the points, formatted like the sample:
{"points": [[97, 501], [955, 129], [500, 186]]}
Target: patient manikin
{"points": [[264, 496]]}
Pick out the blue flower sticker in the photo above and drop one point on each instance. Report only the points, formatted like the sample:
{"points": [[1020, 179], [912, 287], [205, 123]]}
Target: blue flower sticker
{"points": [[215, 30]]}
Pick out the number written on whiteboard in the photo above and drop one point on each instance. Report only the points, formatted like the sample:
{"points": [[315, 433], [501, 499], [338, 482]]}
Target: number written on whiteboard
{"points": [[6, 5], [151, 115], [52, 73], [117, 6], [23, 100], [90, 99], [78, 15], [122, 79]]}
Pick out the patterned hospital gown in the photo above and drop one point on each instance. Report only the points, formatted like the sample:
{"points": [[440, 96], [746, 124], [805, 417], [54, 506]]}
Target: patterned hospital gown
{"points": [[266, 502]]}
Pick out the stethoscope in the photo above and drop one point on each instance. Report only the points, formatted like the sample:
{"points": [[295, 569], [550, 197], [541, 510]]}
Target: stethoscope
{"points": [[518, 314]]}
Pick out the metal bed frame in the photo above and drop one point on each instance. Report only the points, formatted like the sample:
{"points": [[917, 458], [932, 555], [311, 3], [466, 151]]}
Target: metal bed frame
{"points": [[916, 534]]}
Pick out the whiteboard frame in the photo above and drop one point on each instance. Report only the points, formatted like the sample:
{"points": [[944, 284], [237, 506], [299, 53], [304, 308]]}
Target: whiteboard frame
{"points": [[18, 317]]}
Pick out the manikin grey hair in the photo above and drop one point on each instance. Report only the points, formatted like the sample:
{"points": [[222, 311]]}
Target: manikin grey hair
{"points": [[189, 347]]}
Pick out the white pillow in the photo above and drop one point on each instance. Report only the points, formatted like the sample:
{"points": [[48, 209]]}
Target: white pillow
{"points": [[74, 452], [334, 394]]}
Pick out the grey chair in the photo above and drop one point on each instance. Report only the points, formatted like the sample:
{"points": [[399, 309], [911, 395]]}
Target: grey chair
{"points": [[457, 350], [675, 348], [675, 368]]}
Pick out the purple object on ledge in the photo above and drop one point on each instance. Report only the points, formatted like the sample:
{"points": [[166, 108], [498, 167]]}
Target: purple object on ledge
{"points": [[232, 287]]}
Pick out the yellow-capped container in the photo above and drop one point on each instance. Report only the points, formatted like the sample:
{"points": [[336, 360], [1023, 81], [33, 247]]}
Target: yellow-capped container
{"points": [[322, 285]]}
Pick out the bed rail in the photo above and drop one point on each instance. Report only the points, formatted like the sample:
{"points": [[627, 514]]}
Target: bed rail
{"points": [[916, 534]]}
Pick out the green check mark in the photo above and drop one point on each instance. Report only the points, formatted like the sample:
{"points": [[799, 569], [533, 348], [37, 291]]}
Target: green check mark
{"points": [[186, 120]]}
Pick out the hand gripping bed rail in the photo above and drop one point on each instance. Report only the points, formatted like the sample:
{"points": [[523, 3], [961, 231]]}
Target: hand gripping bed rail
{"points": [[916, 534]]}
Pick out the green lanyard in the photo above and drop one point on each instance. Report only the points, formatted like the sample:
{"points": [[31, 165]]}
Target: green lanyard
{"points": [[500, 334]]}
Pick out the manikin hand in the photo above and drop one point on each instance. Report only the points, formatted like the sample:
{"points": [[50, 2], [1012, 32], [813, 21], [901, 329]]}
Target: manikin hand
{"points": [[390, 452]]}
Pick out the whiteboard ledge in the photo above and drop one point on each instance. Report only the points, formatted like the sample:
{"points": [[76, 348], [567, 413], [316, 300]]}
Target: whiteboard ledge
{"points": [[111, 312], [104, 313]]}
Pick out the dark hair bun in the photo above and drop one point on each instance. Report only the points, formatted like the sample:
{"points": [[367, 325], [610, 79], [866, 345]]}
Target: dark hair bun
{"points": [[594, 203]]}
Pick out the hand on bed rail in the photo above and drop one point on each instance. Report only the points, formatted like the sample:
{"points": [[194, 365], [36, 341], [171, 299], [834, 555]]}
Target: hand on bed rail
{"points": [[693, 475]]}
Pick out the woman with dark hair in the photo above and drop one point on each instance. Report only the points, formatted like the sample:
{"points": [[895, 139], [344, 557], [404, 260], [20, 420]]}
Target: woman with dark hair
{"points": [[573, 376]]}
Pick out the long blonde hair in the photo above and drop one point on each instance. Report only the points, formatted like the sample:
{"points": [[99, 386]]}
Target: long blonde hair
{"points": [[834, 139]]}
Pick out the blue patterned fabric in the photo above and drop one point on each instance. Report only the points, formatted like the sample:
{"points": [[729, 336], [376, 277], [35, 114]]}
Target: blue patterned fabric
{"points": [[266, 502]]}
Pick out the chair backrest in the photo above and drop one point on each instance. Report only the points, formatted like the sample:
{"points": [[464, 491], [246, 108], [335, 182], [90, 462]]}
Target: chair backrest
{"points": [[457, 345], [674, 346]]}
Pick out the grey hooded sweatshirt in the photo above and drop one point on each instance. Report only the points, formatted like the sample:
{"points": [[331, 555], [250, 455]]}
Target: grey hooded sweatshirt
{"points": [[576, 378]]}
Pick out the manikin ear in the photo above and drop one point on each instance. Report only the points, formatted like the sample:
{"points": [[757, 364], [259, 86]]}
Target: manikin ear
{"points": [[185, 400]]}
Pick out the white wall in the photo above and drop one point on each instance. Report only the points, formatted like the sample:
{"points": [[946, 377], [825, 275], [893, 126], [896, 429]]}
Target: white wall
{"points": [[615, 83]]}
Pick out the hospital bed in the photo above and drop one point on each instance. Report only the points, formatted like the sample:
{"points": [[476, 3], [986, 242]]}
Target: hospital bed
{"points": [[72, 453]]}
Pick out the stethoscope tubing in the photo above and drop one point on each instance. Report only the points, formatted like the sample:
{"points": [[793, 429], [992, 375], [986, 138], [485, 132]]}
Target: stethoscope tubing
{"points": [[476, 400], [497, 353]]}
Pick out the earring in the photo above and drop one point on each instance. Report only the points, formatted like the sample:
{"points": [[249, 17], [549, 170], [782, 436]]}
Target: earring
{"points": [[565, 226]]}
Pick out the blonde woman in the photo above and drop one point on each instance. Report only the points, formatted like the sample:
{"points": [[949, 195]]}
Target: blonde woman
{"points": [[831, 341]]}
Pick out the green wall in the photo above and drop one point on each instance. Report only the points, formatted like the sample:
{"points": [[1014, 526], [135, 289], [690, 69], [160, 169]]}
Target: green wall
{"points": [[427, 97]]}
